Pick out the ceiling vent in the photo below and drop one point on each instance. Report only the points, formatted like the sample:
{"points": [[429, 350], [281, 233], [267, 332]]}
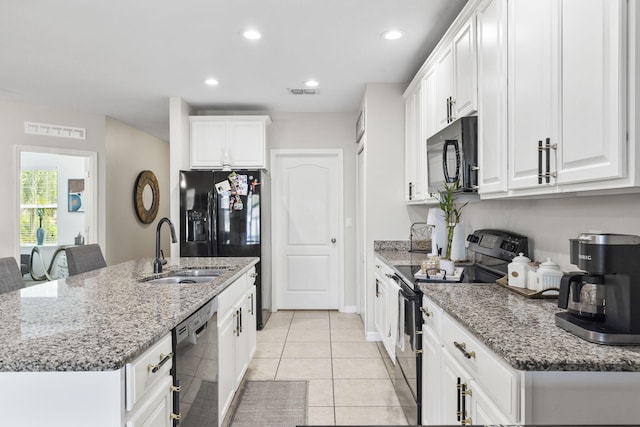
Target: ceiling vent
{"points": [[303, 91], [44, 129]]}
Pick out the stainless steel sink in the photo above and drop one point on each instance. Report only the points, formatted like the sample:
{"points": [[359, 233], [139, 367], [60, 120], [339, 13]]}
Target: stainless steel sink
{"points": [[180, 280], [198, 272]]}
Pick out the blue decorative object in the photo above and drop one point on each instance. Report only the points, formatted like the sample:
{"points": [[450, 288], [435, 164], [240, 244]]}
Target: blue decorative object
{"points": [[75, 202], [40, 235], [40, 230]]}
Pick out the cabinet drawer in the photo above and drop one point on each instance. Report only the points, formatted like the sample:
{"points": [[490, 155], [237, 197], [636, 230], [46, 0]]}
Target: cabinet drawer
{"points": [[230, 296], [146, 370], [431, 315], [498, 379]]}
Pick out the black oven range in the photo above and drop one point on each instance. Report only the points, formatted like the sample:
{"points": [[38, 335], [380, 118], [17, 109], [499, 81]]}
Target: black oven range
{"points": [[490, 251]]}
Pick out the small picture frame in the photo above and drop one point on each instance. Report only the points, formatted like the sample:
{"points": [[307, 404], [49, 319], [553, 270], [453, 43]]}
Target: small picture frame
{"points": [[360, 126]]}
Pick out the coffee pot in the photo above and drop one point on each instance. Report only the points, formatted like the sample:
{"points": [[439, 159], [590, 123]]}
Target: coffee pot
{"points": [[603, 302], [583, 295]]}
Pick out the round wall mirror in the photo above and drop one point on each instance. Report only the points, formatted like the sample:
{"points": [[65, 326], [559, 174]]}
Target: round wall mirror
{"points": [[146, 196]]}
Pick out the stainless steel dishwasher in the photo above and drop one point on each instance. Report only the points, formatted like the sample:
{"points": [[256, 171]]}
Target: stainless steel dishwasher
{"points": [[196, 368]]}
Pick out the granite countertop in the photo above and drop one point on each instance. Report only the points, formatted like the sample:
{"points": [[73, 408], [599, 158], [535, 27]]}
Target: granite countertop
{"points": [[520, 330], [100, 320]]}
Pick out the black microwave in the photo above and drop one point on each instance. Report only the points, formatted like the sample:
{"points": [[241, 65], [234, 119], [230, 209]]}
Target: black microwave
{"points": [[452, 155]]}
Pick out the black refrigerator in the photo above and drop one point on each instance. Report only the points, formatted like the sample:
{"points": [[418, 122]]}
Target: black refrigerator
{"points": [[220, 216]]}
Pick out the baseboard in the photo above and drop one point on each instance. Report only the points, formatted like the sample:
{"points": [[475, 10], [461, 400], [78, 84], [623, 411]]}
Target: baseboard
{"points": [[373, 336], [349, 309]]}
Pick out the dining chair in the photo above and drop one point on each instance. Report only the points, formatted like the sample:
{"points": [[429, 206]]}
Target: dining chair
{"points": [[10, 277], [83, 258]]}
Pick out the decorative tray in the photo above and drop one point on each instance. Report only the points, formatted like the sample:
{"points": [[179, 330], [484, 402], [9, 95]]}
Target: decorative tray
{"points": [[455, 277], [551, 293]]}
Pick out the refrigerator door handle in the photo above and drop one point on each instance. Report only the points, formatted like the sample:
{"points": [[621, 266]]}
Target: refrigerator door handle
{"points": [[211, 229]]}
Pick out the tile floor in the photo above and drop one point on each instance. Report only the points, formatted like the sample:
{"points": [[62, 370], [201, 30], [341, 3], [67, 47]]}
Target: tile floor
{"points": [[348, 382]]}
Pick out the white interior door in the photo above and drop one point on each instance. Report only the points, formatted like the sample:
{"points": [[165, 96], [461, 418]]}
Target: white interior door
{"points": [[307, 229]]}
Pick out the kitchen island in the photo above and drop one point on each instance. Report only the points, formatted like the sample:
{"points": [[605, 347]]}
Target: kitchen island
{"points": [[520, 367], [70, 340]]}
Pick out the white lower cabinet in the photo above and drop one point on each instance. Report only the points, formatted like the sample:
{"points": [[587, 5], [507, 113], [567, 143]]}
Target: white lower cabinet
{"points": [[431, 381], [236, 337], [386, 307], [464, 382]]}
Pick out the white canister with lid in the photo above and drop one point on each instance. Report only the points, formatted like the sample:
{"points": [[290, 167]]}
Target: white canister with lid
{"points": [[549, 275], [518, 270]]}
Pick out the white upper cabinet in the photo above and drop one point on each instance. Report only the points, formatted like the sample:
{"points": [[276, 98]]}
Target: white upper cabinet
{"points": [[233, 141], [492, 96], [567, 100], [415, 148], [444, 88], [533, 88], [593, 139], [456, 76], [465, 73]]}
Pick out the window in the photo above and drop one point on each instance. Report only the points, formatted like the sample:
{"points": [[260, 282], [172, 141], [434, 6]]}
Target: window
{"points": [[38, 206]]}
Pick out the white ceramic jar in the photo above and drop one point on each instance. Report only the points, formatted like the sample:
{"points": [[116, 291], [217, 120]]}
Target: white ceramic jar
{"points": [[549, 275], [518, 270]]}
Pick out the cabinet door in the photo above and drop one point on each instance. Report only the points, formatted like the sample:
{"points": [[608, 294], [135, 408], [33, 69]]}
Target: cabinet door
{"points": [[429, 104], [226, 361], [452, 401], [533, 86], [410, 147], [391, 328], [431, 381], [380, 315], [492, 96], [251, 322], [241, 340], [415, 148], [482, 410], [444, 79], [593, 144], [156, 409], [246, 337], [246, 143], [208, 142], [465, 74]]}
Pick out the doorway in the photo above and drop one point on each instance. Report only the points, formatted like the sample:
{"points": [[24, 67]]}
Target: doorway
{"points": [[307, 229], [55, 203]]}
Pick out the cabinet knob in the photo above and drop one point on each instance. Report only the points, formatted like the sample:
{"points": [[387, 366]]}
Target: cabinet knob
{"points": [[333, 240], [425, 311]]}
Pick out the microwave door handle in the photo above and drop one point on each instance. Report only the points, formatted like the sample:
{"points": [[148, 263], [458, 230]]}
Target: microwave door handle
{"points": [[445, 163]]}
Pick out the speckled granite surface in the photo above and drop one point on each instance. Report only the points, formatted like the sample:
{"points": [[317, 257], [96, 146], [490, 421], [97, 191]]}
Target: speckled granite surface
{"points": [[521, 330], [100, 320], [391, 245]]}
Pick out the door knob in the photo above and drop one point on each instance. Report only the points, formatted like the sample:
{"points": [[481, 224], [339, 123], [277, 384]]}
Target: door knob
{"points": [[333, 240]]}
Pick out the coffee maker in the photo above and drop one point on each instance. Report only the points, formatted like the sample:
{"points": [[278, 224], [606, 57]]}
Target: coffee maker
{"points": [[603, 302]]}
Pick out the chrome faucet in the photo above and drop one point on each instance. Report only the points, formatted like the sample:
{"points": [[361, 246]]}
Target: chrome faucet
{"points": [[160, 261]]}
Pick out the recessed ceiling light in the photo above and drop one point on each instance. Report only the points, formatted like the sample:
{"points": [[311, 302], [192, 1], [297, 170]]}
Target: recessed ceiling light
{"points": [[311, 83], [392, 34], [211, 82], [251, 35]]}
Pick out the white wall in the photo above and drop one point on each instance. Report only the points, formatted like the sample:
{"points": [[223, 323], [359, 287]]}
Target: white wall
{"points": [[387, 216], [129, 152], [12, 118], [550, 223], [325, 130]]}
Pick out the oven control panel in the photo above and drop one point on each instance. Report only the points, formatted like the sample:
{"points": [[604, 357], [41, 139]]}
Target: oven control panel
{"points": [[500, 244]]}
